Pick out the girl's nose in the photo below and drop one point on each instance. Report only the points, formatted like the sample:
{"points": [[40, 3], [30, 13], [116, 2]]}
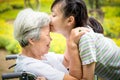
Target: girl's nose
{"points": [[50, 39], [50, 26]]}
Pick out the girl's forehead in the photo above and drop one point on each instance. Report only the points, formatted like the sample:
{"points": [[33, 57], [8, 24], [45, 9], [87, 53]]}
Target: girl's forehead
{"points": [[58, 9], [58, 6]]}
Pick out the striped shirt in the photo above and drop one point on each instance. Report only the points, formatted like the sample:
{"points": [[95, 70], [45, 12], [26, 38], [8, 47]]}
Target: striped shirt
{"points": [[95, 47]]}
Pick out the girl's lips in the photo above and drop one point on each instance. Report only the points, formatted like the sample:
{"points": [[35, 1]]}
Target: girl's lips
{"points": [[48, 45]]}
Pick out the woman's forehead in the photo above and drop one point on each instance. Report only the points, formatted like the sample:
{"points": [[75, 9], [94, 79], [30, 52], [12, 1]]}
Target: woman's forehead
{"points": [[45, 28]]}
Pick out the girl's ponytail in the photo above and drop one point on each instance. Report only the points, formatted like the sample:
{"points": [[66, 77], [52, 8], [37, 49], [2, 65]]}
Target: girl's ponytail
{"points": [[95, 25]]}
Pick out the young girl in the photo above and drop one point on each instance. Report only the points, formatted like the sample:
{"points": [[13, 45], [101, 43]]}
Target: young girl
{"points": [[99, 54]]}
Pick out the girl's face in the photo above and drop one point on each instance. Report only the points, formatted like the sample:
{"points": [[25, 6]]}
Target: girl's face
{"points": [[58, 21]]}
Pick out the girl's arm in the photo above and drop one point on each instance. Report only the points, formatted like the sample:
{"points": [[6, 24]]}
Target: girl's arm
{"points": [[88, 55]]}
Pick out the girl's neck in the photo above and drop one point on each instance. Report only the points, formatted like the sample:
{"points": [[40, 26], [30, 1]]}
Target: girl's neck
{"points": [[67, 33]]}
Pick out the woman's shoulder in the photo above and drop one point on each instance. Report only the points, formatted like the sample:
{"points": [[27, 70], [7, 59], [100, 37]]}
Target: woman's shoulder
{"points": [[50, 54], [21, 59], [53, 54]]}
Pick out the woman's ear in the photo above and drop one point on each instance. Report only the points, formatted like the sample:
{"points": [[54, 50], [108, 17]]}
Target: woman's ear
{"points": [[31, 41]]}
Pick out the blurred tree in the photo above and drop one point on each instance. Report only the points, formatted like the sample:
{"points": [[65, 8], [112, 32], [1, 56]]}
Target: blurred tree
{"points": [[35, 5], [1, 0], [110, 1], [91, 3], [94, 4], [95, 10], [27, 3], [97, 4]]}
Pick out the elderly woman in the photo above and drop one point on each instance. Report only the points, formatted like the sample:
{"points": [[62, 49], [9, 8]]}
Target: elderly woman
{"points": [[31, 30]]}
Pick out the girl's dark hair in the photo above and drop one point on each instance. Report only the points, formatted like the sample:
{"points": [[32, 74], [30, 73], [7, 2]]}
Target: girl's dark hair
{"points": [[95, 25], [77, 8]]}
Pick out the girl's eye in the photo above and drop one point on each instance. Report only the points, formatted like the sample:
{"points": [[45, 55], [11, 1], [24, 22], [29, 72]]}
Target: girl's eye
{"points": [[53, 15]]}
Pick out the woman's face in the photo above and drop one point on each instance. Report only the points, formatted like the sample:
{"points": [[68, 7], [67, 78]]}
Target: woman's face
{"points": [[43, 44], [58, 22]]}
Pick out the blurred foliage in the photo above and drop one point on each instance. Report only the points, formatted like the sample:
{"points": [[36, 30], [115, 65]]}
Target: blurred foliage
{"points": [[108, 15], [111, 11], [45, 5], [6, 38], [10, 8], [9, 15], [117, 41], [58, 43], [111, 20], [4, 7], [112, 27], [92, 3]]}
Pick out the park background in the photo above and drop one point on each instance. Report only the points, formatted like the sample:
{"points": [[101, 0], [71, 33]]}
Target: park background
{"points": [[107, 12]]}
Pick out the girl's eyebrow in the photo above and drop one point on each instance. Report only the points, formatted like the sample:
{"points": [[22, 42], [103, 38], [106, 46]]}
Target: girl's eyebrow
{"points": [[52, 10]]}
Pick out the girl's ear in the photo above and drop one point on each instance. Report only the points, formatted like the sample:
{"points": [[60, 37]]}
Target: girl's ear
{"points": [[71, 20], [31, 41]]}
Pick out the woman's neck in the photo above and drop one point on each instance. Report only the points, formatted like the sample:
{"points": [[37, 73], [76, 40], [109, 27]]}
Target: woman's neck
{"points": [[30, 53]]}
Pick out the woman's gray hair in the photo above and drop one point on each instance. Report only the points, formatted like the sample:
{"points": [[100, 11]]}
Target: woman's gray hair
{"points": [[28, 24]]}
